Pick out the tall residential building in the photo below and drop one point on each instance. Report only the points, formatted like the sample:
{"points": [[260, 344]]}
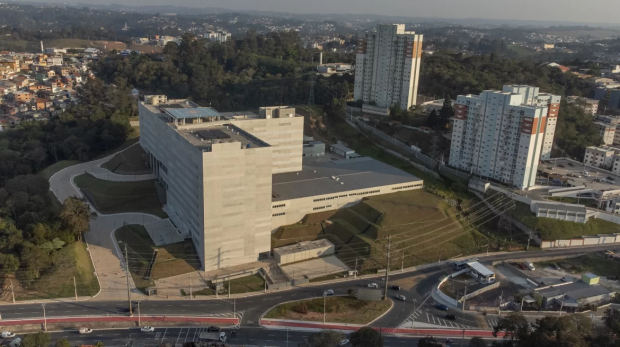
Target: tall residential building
{"points": [[217, 36], [502, 135], [387, 67]]}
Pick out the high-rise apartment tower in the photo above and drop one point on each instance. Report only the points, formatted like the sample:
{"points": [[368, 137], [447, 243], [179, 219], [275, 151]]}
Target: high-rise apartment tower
{"points": [[387, 67], [503, 135]]}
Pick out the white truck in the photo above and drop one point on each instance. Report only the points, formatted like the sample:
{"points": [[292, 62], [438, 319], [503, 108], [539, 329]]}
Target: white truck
{"points": [[85, 331], [214, 336], [529, 265]]}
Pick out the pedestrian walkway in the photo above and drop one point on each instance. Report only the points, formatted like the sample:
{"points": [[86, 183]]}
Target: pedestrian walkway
{"points": [[421, 318]]}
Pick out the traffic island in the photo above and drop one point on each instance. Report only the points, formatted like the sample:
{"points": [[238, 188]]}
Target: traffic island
{"points": [[338, 309]]}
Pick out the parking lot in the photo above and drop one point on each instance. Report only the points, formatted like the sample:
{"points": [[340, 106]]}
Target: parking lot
{"points": [[567, 168]]}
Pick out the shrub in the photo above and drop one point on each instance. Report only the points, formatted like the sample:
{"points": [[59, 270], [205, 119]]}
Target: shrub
{"points": [[300, 308]]}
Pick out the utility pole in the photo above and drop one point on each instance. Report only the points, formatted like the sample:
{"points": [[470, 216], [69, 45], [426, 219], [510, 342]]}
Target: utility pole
{"points": [[324, 311], [12, 292], [355, 273], [75, 288], [387, 268], [127, 275], [229, 286], [499, 309], [402, 264], [191, 294], [139, 323], [464, 294]]}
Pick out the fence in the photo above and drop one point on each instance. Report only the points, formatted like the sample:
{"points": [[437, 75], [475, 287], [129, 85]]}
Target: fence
{"points": [[582, 241], [428, 162]]}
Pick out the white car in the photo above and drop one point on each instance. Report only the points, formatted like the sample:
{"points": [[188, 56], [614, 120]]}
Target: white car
{"points": [[401, 297], [7, 334], [372, 285], [343, 342], [328, 292], [147, 329]]}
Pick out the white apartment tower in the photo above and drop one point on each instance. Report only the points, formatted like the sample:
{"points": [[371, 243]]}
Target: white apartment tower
{"points": [[387, 66], [502, 135]]}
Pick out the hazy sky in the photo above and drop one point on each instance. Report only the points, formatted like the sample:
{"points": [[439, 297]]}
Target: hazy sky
{"points": [[556, 10]]}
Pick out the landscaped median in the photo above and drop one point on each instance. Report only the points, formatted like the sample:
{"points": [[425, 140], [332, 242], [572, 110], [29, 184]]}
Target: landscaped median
{"points": [[339, 309], [100, 322]]}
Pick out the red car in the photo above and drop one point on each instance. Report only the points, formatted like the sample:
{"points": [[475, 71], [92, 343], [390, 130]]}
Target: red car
{"points": [[522, 267]]}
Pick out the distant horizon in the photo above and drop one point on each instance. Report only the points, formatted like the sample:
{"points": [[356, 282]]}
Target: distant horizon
{"points": [[549, 11]]}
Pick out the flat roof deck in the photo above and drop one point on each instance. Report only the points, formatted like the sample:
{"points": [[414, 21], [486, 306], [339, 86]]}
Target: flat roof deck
{"points": [[204, 137], [353, 174]]}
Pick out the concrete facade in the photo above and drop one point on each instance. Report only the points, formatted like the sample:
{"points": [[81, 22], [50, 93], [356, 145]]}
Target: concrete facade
{"points": [[607, 132], [303, 251], [503, 135], [387, 66], [233, 178]]}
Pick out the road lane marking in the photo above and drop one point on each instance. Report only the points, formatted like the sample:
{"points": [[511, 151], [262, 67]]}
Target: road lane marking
{"points": [[186, 334]]}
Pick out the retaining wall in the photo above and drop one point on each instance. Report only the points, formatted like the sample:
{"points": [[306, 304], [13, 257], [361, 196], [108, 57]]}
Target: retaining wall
{"points": [[479, 291]]}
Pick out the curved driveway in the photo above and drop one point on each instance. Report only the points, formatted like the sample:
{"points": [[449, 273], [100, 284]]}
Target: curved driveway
{"points": [[102, 246]]}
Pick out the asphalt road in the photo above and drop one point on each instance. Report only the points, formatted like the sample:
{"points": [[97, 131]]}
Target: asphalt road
{"points": [[244, 336], [253, 307]]}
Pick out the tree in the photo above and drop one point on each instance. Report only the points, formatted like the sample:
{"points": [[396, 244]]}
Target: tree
{"points": [[99, 344], [514, 325], [433, 119], [477, 342], [366, 337], [446, 113], [75, 216], [39, 339], [611, 319], [63, 343], [9, 264], [325, 338]]}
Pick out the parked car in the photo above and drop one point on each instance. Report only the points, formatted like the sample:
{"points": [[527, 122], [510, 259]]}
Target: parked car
{"points": [[570, 164], [213, 329], [343, 342], [16, 342], [610, 178], [561, 165], [7, 334], [550, 167], [442, 307], [147, 329], [372, 285], [450, 316], [611, 181], [85, 331], [328, 292], [401, 297], [522, 267], [395, 287], [609, 253], [556, 266], [612, 278]]}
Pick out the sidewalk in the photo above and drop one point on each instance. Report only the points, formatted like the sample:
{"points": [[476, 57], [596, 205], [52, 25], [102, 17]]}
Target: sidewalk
{"points": [[317, 326]]}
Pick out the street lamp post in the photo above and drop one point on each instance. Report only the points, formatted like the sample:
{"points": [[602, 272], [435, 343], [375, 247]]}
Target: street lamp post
{"points": [[44, 318], [324, 311], [139, 322]]}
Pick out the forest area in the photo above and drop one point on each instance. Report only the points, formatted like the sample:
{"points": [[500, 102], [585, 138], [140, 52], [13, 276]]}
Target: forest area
{"points": [[35, 229]]}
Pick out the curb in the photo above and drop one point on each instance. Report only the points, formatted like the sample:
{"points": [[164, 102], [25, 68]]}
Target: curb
{"points": [[93, 319]]}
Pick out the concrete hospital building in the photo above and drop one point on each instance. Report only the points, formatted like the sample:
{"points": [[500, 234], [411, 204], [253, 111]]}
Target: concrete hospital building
{"points": [[233, 178], [503, 134]]}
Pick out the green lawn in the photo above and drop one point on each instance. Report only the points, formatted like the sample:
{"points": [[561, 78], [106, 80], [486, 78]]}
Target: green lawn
{"points": [[128, 162], [339, 309], [49, 171], [246, 284], [553, 229], [118, 197], [596, 263], [522, 51], [172, 260], [72, 260]]}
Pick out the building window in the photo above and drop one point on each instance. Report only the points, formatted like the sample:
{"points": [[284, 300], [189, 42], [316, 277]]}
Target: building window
{"points": [[278, 214]]}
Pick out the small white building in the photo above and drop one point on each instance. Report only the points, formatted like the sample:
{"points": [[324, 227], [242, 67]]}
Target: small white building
{"points": [[567, 212], [481, 272], [343, 151], [303, 251]]}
